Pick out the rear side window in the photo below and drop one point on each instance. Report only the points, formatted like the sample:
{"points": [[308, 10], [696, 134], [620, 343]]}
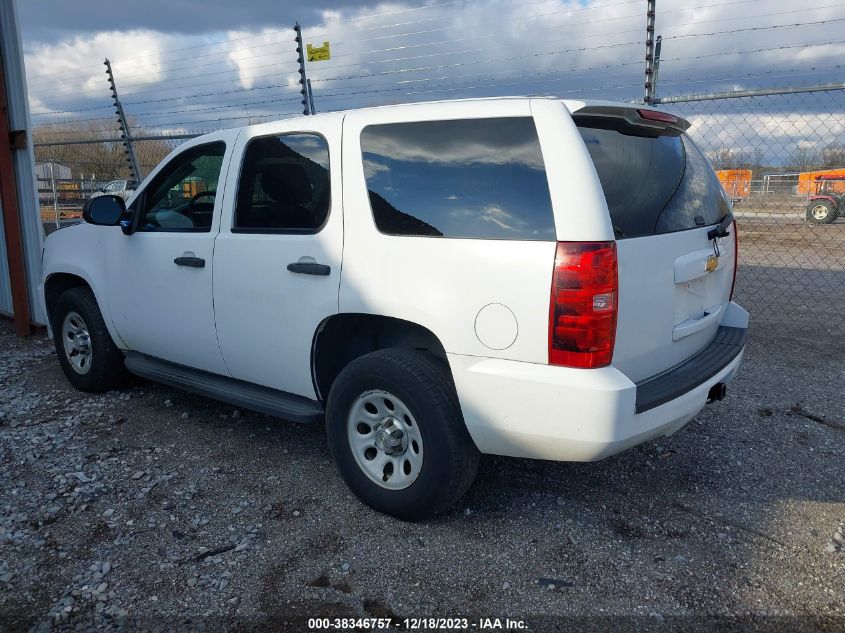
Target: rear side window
{"points": [[654, 185], [284, 185], [469, 178]]}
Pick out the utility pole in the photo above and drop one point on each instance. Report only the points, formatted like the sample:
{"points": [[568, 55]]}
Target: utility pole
{"points": [[124, 128], [649, 52], [303, 79]]}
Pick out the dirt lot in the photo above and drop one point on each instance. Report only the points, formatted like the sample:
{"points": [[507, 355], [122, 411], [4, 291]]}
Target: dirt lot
{"points": [[154, 508]]}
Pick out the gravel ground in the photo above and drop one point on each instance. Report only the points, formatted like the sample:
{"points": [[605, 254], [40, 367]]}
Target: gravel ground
{"points": [[155, 508]]}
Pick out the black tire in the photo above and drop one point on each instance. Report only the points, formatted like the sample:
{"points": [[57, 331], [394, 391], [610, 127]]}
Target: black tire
{"points": [[450, 459], [106, 369], [828, 218]]}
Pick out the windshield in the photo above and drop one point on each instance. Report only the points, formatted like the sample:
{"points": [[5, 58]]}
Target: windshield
{"points": [[654, 184]]}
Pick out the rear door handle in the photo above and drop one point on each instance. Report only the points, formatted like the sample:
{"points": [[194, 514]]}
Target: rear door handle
{"points": [[191, 262], [310, 268]]}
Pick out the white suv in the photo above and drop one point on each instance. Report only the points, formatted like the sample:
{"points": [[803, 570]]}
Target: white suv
{"points": [[527, 277]]}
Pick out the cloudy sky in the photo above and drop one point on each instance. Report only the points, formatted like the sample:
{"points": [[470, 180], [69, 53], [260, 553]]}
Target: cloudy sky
{"points": [[186, 65]]}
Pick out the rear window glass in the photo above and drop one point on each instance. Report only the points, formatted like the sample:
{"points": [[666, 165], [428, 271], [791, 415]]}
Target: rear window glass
{"points": [[470, 178], [654, 185]]}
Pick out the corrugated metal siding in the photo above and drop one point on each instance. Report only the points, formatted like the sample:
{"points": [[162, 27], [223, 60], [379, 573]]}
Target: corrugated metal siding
{"points": [[33, 231]]}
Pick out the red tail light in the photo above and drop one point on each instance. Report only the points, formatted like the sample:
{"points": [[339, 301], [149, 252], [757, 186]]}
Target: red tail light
{"points": [[736, 259], [582, 314]]}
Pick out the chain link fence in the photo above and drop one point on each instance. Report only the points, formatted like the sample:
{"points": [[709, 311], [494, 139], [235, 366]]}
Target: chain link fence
{"points": [[71, 170], [780, 156], [781, 159]]}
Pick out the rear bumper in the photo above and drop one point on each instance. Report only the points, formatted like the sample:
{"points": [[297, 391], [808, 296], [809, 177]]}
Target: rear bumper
{"points": [[545, 412]]}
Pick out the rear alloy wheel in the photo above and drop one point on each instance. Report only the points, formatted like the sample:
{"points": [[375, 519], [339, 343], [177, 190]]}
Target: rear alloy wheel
{"points": [[396, 432], [821, 212], [385, 440]]}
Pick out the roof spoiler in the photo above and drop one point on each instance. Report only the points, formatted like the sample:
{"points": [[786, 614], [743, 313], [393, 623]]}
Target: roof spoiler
{"points": [[631, 120]]}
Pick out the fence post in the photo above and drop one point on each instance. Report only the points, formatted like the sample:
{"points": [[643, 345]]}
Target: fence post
{"points": [[55, 197], [649, 52], [657, 48], [124, 128], [311, 99], [303, 79]]}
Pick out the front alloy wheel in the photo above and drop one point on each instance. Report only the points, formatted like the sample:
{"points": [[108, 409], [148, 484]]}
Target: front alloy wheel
{"points": [[77, 342], [89, 358]]}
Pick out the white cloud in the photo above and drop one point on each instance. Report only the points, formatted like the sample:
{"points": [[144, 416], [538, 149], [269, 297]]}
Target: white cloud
{"points": [[69, 70], [411, 52]]}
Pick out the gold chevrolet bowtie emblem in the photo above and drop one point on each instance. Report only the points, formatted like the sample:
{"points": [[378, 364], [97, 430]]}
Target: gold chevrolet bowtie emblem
{"points": [[711, 264]]}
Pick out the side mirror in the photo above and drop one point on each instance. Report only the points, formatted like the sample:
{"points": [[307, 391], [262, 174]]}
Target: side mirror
{"points": [[104, 210]]}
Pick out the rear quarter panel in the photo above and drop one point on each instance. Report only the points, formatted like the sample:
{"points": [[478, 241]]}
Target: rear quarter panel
{"points": [[444, 283]]}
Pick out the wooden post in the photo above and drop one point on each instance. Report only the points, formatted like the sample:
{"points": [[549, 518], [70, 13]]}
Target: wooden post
{"points": [[11, 216]]}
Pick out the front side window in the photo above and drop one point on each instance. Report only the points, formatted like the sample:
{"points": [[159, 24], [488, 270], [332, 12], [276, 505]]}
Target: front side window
{"points": [[181, 196], [469, 178], [284, 185]]}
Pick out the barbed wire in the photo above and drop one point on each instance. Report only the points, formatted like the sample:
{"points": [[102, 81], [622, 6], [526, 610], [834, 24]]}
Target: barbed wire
{"points": [[403, 75], [756, 28]]}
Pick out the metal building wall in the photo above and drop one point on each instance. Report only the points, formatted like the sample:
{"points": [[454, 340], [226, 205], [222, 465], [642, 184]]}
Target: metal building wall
{"points": [[31, 228], [5, 284]]}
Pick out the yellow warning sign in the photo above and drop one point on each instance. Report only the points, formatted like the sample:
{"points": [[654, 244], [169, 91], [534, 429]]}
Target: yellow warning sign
{"points": [[319, 53]]}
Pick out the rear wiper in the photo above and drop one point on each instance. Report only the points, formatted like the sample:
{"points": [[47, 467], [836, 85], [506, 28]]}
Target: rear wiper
{"points": [[721, 229]]}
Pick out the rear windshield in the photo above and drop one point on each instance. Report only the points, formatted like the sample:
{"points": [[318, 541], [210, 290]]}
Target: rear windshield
{"points": [[654, 185]]}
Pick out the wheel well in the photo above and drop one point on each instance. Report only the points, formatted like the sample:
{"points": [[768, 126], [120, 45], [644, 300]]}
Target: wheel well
{"points": [[342, 338], [55, 285]]}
